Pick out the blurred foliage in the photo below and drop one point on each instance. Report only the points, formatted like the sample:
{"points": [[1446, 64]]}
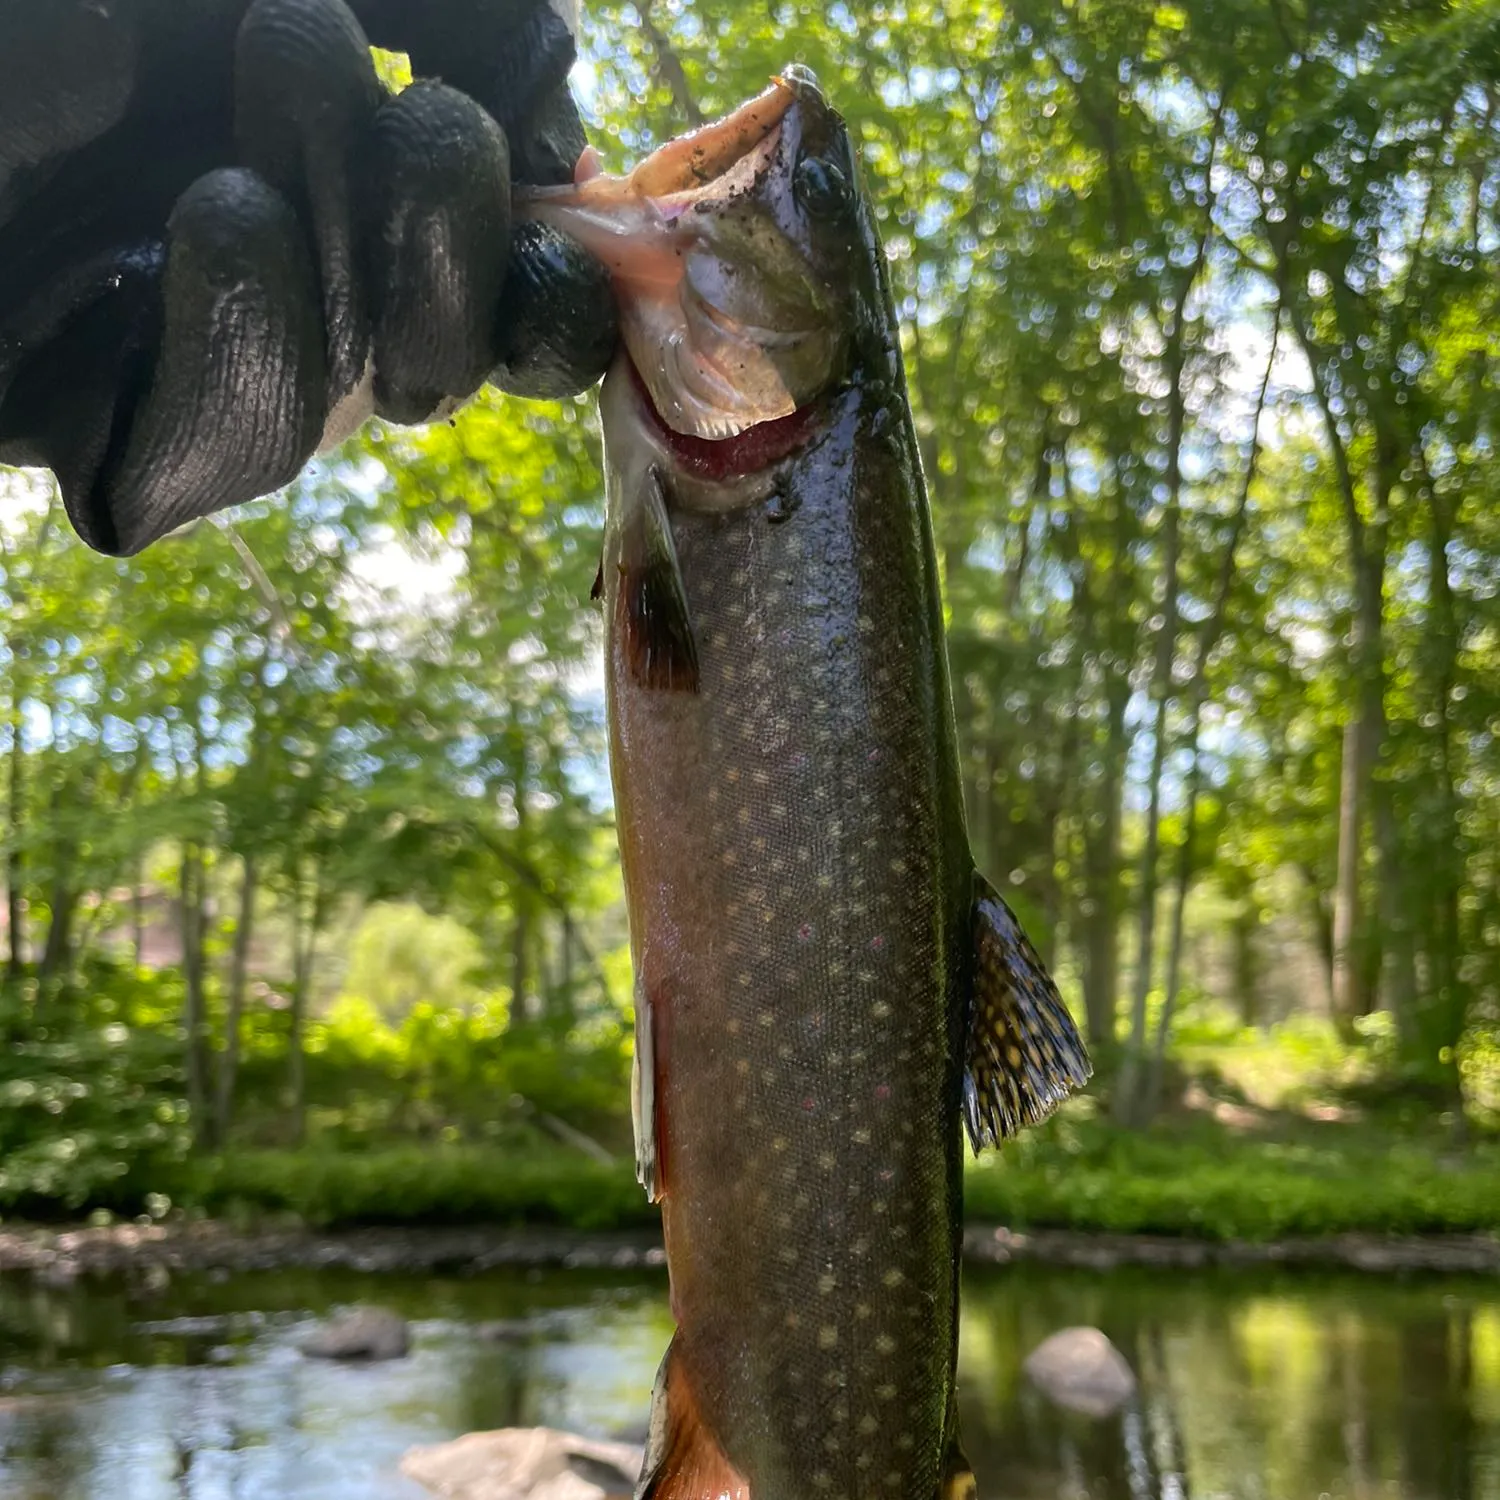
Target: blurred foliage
{"points": [[1198, 304], [412, 1186], [1212, 1183]]}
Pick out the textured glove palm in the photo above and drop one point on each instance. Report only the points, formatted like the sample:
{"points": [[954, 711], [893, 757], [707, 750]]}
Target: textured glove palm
{"points": [[222, 242]]}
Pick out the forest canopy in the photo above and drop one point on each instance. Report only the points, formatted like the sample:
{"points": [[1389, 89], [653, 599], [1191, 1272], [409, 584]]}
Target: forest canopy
{"points": [[1199, 305]]}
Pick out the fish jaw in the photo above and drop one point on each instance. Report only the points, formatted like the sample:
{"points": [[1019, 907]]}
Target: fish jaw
{"points": [[731, 317]]}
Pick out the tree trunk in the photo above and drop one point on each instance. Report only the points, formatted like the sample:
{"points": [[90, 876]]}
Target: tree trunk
{"points": [[1151, 1099], [15, 860], [138, 913], [1101, 916], [1443, 1011], [195, 1014], [229, 1060], [1207, 639], [1129, 1103], [307, 920], [1349, 999], [59, 945]]}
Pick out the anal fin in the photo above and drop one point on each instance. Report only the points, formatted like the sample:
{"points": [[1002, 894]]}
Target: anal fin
{"points": [[655, 628], [683, 1459], [1025, 1055], [958, 1473]]}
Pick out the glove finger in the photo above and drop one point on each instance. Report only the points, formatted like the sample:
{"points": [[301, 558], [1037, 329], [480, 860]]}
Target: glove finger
{"points": [[438, 182], [306, 95], [70, 68], [72, 399], [557, 325], [513, 56], [236, 399]]}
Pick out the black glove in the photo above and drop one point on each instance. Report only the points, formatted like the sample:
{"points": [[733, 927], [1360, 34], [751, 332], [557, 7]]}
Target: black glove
{"points": [[220, 236]]}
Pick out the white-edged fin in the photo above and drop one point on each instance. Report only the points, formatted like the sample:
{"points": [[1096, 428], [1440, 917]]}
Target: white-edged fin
{"points": [[643, 1097], [1025, 1055]]}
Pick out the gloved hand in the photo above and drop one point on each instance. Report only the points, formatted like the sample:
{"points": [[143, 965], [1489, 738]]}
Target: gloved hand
{"points": [[220, 237]]}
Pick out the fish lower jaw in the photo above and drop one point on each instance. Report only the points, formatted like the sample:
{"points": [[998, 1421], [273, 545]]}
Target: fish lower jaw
{"points": [[702, 475]]}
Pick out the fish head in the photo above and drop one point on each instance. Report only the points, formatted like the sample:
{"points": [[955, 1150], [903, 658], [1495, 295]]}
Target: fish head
{"points": [[738, 253]]}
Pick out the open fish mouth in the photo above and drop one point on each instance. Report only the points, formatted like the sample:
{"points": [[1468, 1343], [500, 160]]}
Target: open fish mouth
{"points": [[723, 314]]}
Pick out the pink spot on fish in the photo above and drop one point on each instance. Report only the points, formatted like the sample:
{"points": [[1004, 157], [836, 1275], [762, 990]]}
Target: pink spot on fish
{"points": [[805, 931], [882, 1091], [877, 942], [888, 1174], [873, 755], [809, 1105]]}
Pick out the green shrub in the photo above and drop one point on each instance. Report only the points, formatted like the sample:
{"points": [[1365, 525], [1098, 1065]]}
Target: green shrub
{"points": [[1212, 1184], [413, 1185], [91, 1106]]}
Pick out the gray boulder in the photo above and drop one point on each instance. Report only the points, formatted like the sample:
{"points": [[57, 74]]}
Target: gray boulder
{"points": [[525, 1463], [1082, 1371], [363, 1333]]}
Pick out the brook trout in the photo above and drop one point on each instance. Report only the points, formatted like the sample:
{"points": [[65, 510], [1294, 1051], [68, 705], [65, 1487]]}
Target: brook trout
{"points": [[824, 985]]}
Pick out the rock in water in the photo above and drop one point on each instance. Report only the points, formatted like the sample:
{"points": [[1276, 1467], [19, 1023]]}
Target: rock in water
{"points": [[364, 1333], [525, 1463], [1081, 1370]]}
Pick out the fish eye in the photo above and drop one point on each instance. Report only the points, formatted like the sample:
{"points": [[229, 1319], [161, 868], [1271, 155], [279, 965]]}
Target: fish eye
{"points": [[821, 187]]}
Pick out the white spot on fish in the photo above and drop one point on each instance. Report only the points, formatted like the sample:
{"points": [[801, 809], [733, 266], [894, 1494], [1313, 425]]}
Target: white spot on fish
{"points": [[828, 1336]]}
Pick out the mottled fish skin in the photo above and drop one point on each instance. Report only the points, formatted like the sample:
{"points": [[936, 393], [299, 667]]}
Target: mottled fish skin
{"points": [[801, 900], [798, 884]]}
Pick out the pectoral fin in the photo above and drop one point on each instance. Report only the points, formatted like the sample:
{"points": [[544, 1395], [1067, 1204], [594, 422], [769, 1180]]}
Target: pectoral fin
{"points": [[683, 1460], [652, 609], [1025, 1054]]}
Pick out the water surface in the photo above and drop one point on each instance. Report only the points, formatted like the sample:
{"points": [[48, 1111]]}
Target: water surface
{"points": [[1253, 1385]]}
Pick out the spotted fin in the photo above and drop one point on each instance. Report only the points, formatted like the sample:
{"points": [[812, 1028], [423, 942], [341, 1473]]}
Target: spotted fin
{"points": [[1025, 1055], [683, 1460], [651, 609], [643, 1101]]}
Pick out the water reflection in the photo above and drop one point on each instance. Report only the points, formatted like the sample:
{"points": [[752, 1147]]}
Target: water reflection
{"points": [[1252, 1387]]}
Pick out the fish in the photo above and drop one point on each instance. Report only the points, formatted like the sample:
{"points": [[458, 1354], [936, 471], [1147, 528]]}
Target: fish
{"points": [[826, 990]]}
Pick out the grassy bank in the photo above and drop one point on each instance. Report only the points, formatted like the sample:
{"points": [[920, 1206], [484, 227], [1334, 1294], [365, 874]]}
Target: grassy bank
{"points": [[1212, 1183], [1198, 1180]]}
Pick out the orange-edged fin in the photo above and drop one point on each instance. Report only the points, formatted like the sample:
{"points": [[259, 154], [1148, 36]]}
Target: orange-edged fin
{"points": [[683, 1459], [645, 1099], [652, 610], [1025, 1055], [958, 1474]]}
